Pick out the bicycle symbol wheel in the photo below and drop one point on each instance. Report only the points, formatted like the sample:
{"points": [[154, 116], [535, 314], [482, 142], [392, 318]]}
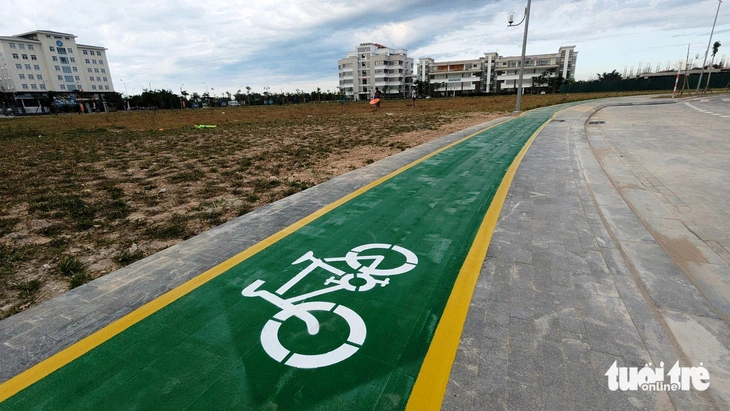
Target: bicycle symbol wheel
{"points": [[354, 257], [273, 346]]}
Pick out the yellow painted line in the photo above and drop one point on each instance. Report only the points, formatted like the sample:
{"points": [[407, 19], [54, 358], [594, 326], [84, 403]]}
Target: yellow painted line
{"points": [[64, 357], [430, 387]]}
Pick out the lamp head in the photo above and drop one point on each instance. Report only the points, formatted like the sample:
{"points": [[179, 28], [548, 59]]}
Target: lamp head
{"points": [[511, 17]]}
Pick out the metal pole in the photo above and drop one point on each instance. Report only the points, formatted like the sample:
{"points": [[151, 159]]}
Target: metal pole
{"points": [[522, 59], [719, 2]]}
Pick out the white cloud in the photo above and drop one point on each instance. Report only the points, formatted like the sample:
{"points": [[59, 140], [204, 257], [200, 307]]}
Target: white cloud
{"points": [[296, 44]]}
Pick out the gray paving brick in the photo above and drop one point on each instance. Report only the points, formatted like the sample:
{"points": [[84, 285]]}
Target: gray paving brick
{"points": [[492, 377], [588, 310], [497, 313]]}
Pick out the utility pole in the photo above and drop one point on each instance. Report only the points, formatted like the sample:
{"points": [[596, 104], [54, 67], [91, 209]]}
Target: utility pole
{"points": [[719, 2], [526, 19]]}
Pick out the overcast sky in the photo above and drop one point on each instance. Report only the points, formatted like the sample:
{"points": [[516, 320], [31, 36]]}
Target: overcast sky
{"points": [[226, 45]]}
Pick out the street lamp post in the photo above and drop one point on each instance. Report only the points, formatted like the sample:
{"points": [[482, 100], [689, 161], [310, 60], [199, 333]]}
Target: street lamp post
{"points": [[526, 19], [207, 95], [719, 2], [125, 92]]}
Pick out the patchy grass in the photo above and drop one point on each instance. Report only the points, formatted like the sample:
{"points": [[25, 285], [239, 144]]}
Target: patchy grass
{"points": [[79, 189]]}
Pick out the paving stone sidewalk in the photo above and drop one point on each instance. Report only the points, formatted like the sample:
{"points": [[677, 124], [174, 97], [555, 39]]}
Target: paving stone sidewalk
{"points": [[558, 300]]}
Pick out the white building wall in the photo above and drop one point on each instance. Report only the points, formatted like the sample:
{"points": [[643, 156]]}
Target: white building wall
{"points": [[374, 65], [52, 61], [501, 73]]}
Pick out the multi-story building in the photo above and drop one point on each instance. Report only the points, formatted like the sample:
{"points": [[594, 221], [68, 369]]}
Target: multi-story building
{"points": [[373, 66], [463, 76], [41, 61], [497, 74]]}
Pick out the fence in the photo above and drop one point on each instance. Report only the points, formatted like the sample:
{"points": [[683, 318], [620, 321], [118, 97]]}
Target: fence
{"points": [[717, 80]]}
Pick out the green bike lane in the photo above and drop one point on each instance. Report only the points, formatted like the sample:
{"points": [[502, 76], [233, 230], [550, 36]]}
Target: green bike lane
{"points": [[374, 273]]}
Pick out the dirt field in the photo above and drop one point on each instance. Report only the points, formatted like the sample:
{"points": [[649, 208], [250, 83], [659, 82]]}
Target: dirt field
{"points": [[83, 195]]}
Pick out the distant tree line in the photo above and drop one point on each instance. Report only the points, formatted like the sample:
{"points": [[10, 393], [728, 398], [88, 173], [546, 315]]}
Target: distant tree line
{"points": [[166, 99]]}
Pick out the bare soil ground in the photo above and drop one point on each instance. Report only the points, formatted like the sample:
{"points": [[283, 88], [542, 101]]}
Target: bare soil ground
{"points": [[83, 195]]}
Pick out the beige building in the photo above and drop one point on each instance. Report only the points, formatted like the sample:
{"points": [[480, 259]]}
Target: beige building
{"points": [[42, 61], [494, 73], [373, 66]]}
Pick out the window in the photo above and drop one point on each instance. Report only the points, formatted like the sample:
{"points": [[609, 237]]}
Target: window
{"points": [[58, 68], [87, 61], [15, 56], [53, 49], [39, 77], [12, 45], [75, 70], [89, 69], [98, 79], [34, 87], [69, 79], [61, 50], [106, 87], [30, 77], [98, 53], [64, 60], [66, 69], [93, 87], [25, 86], [60, 77], [93, 61], [43, 86], [36, 67], [70, 51], [54, 58], [101, 62], [86, 52], [18, 66], [63, 87], [73, 60], [33, 57], [27, 66], [96, 70], [104, 78], [21, 76], [103, 70], [30, 47], [77, 78], [21, 46], [91, 78]]}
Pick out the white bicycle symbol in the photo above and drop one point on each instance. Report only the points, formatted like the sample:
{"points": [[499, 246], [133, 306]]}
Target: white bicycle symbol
{"points": [[363, 279]]}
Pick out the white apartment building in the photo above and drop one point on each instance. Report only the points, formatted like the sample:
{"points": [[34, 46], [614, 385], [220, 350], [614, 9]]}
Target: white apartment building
{"points": [[494, 73], [41, 61], [462, 76], [373, 66]]}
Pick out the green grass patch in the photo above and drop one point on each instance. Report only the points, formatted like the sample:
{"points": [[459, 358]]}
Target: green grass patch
{"points": [[127, 257], [175, 227]]}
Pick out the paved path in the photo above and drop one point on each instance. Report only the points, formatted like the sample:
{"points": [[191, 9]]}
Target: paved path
{"points": [[576, 277], [342, 307], [611, 246]]}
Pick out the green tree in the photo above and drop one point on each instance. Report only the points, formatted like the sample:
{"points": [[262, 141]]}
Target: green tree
{"points": [[715, 48], [612, 76], [542, 80]]}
